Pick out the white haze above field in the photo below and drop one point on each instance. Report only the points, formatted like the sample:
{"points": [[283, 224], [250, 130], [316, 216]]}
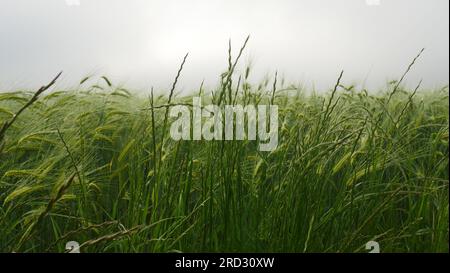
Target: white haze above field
{"points": [[140, 43]]}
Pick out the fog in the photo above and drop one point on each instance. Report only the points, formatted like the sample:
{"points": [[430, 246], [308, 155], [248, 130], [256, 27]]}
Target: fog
{"points": [[140, 43]]}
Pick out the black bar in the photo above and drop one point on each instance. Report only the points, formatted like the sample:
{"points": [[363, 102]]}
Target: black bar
{"points": [[228, 262]]}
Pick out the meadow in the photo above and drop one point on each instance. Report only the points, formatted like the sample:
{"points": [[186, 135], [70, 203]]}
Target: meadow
{"points": [[97, 165]]}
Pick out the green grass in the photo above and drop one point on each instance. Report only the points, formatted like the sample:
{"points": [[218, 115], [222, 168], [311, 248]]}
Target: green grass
{"points": [[97, 165]]}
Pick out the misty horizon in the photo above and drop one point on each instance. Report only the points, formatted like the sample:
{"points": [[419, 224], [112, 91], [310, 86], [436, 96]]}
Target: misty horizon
{"points": [[140, 44]]}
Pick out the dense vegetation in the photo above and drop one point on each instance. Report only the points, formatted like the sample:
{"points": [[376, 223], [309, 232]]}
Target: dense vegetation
{"points": [[97, 165]]}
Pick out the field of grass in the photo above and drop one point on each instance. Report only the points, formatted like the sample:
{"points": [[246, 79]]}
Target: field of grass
{"points": [[97, 165]]}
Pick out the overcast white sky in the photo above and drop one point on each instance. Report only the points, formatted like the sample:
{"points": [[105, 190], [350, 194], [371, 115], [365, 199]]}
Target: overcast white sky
{"points": [[141, 42]]}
